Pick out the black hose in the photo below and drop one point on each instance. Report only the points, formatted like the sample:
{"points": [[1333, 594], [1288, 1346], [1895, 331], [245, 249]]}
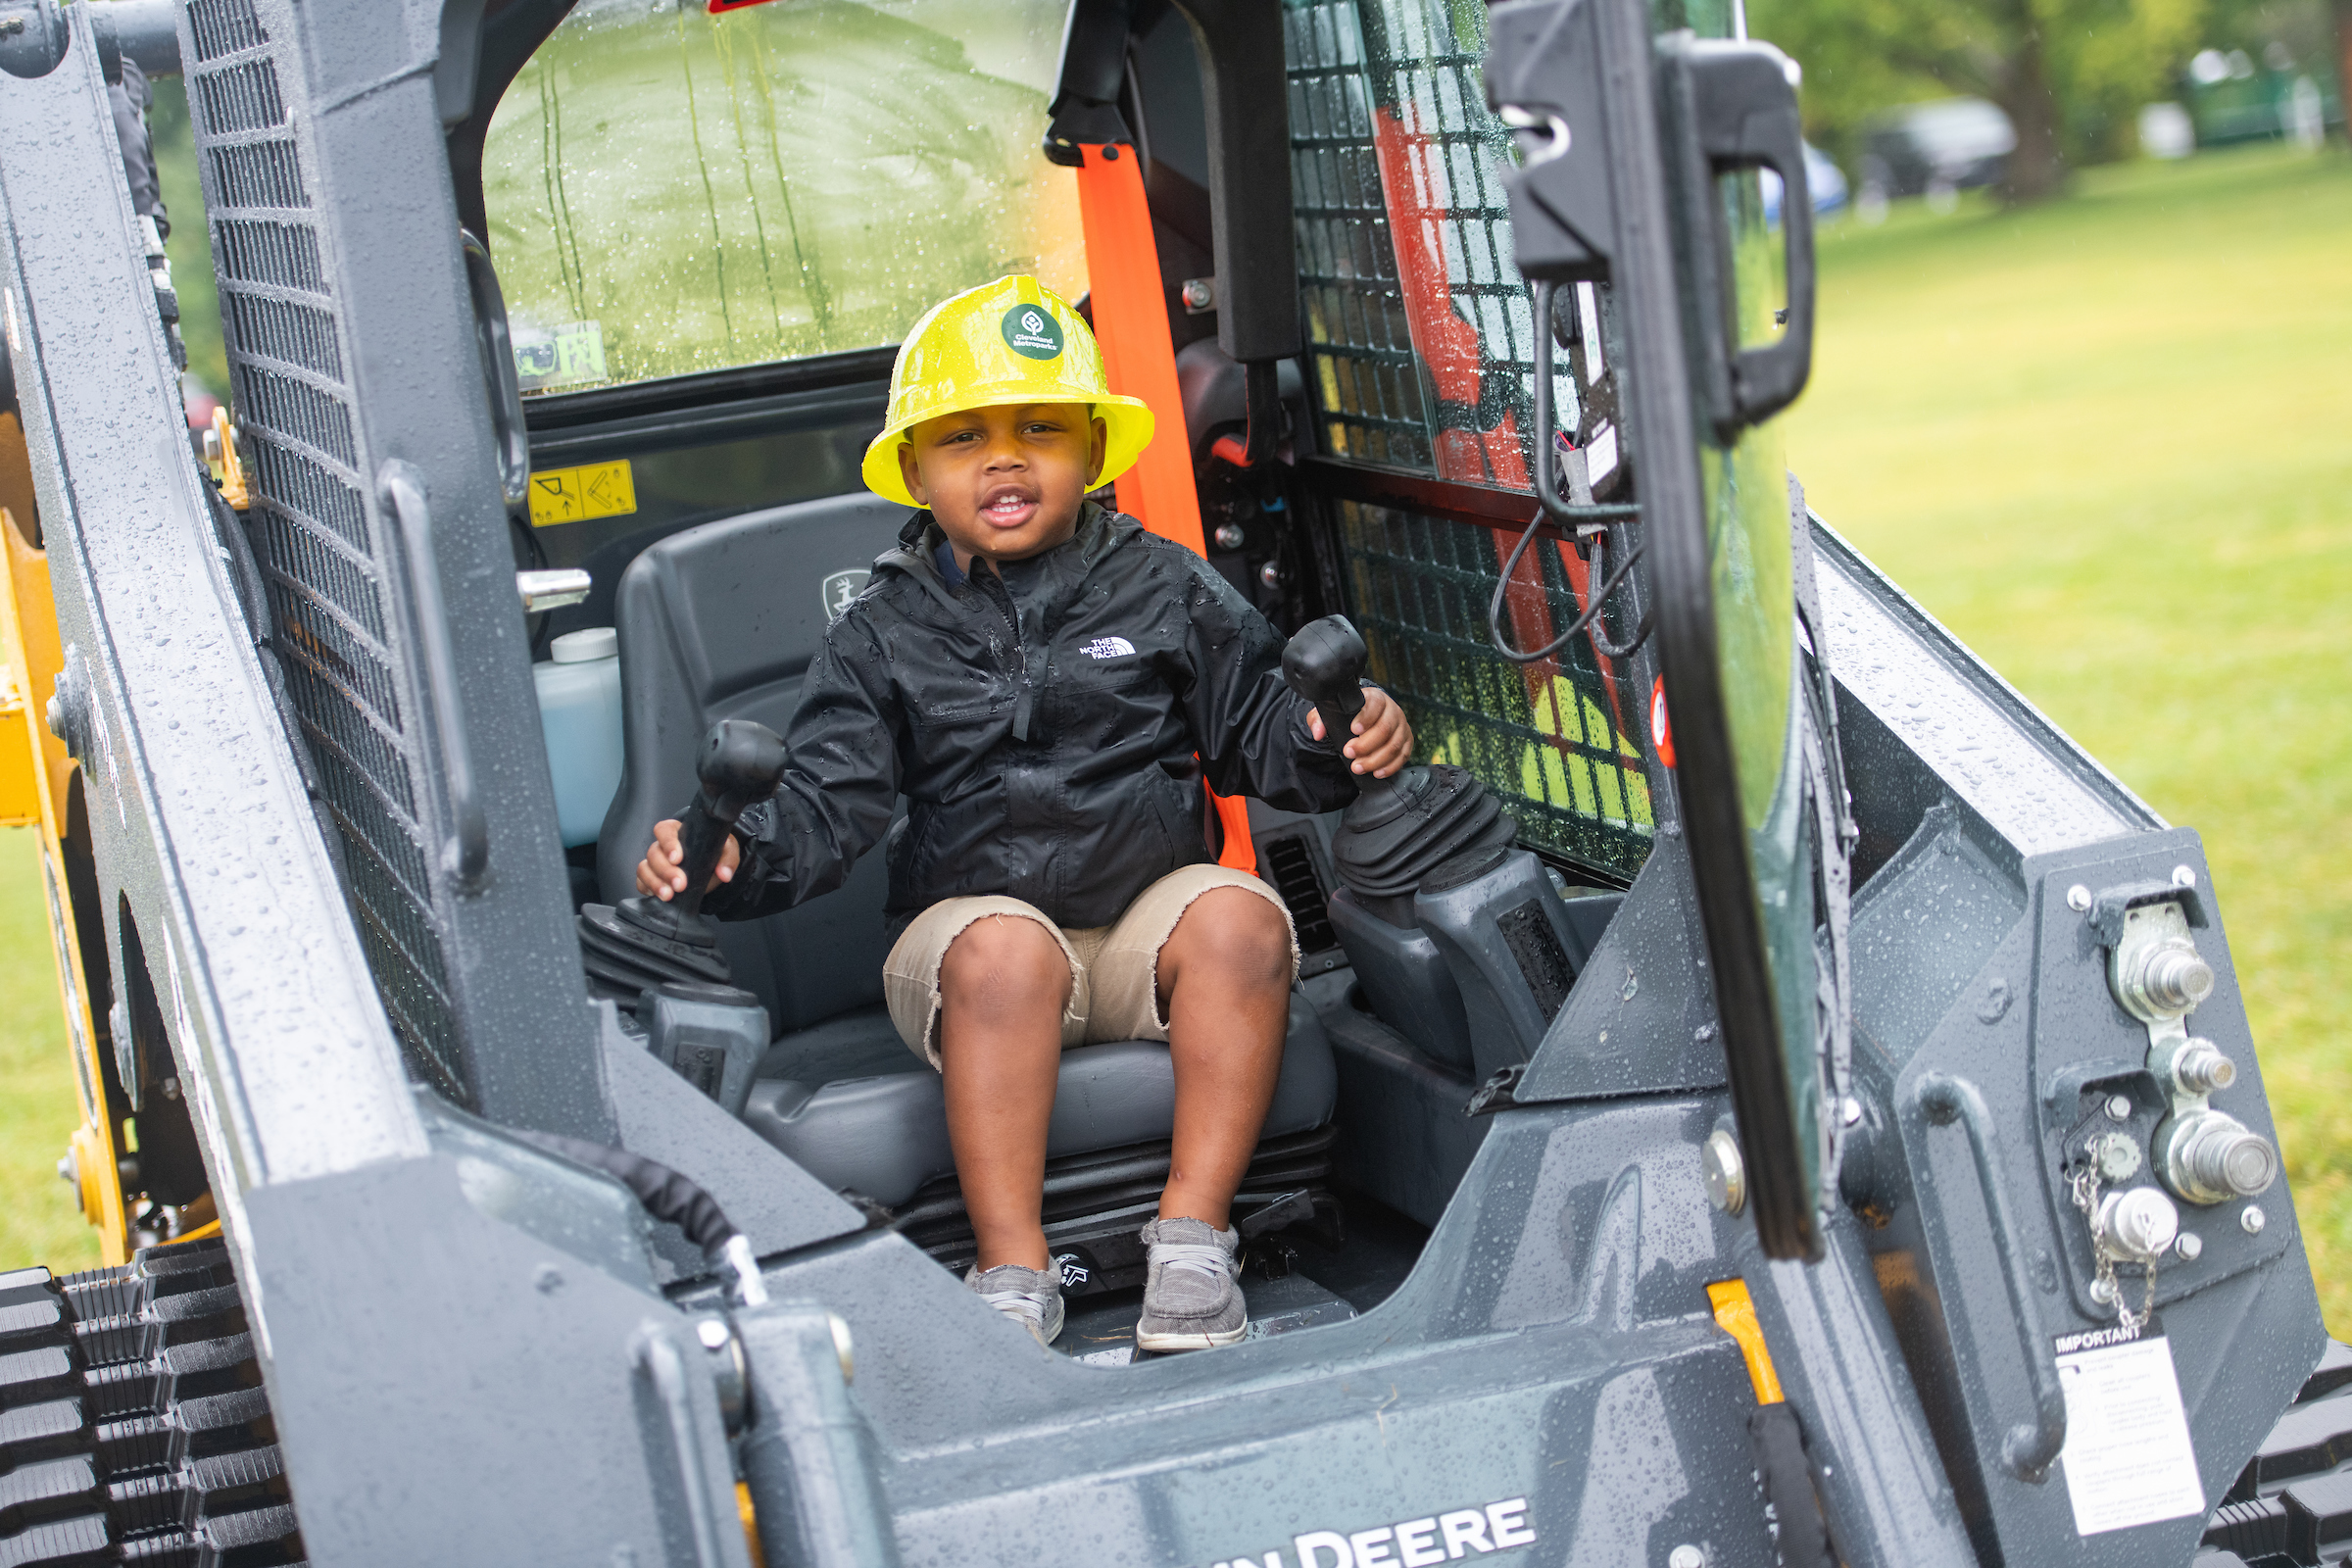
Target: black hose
{"points": [[665, 1193]]}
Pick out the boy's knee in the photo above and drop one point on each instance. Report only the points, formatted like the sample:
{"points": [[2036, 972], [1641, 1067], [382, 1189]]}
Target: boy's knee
{"points": [[1005, 963], [1238, 934]]}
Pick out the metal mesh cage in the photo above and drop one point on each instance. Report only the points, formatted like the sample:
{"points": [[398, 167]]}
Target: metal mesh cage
{"points": [[1551, 738], [1421, 337], [1421, 344], [309, 523]]}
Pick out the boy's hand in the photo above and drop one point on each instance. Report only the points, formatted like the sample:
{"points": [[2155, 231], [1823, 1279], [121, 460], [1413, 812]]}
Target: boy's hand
{"points": [[662, 874], [1382, 744]]}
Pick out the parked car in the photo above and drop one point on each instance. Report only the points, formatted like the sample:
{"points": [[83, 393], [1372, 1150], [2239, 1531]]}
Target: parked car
{"points": [[1825, 182], [1950, 144]]}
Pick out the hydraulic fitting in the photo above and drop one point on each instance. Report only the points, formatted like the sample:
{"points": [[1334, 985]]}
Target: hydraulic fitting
{"points": [[2193, 1067], [2137, 1226], [2158, 975], [2209, 1156]]}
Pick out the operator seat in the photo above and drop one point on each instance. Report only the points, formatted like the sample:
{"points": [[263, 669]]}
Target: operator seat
{"points": [[720, 622]]}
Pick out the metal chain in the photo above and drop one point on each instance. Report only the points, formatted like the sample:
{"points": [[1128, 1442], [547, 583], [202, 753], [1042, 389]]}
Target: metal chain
{"points": [[2104, 1286]]}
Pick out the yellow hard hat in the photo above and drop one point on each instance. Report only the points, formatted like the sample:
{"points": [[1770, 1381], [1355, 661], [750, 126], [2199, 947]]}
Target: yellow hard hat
{"points": [[1006, 342]]}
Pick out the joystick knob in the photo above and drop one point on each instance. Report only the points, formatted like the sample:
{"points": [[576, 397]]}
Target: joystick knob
{"points": [[740, 763], [644, 942], [1325, 664]]}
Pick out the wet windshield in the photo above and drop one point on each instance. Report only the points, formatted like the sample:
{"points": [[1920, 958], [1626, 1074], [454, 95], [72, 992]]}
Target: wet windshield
{"points": [[670, 191]]}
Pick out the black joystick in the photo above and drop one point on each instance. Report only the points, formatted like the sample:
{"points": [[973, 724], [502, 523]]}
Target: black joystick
{"points": [[645, 941], [1325, 664], [1400, 830]]}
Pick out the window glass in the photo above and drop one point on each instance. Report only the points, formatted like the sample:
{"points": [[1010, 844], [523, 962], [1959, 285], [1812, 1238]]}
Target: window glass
{"points": [[670, 191]]}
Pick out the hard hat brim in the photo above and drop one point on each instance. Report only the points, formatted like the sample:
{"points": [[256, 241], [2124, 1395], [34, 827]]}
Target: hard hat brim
{"points": [[1127, 429]]}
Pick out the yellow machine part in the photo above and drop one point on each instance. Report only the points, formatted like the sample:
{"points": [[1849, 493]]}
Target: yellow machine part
{"points": [[1735, 1315], [35, 772]]}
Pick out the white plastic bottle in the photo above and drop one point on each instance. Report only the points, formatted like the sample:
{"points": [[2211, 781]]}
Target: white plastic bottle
{"points": [[579, 712]]}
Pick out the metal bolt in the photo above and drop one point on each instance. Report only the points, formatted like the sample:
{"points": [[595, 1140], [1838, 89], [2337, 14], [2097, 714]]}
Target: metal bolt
{"points": [[841, 1347], [2253, 1219], [2102, 1291], [2184, 878], [2189, 1247], [1724, 1171], [1200, 294], [2118, 1108], [1229, 536], [1687, 1556], [1852, 1110], [1270, 575], [713, 1331], [2077, 898]]}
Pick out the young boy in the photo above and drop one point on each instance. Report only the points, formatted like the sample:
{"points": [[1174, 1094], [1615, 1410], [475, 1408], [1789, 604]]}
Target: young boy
{"points": [[1047, 683]]}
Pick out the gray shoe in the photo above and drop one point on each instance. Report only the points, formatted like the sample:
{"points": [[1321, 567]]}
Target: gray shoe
{"points": [[1193, 1293], [1030, 1297]]}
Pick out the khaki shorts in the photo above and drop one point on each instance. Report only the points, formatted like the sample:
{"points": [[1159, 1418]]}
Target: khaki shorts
{"points": [[1114, 969]]}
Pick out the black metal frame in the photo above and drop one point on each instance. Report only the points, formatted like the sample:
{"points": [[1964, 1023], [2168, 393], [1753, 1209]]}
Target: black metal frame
{"points": [[1619, 182]]}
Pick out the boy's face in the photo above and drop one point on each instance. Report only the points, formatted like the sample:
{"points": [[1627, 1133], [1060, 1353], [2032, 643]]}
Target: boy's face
{"points": [[1004, 482]]}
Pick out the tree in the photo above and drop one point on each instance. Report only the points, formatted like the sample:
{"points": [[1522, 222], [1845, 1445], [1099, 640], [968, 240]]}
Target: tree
{"points": [[2071, 74]]}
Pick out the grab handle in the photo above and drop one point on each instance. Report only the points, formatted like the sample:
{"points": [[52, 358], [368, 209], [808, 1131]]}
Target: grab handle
{"points": [[494, 340], [467, 855], [2028, 1447], [1741, 110]]}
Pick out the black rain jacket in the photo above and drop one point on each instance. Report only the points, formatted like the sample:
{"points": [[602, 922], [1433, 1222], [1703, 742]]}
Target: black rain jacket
{"points": [[1049, 727]]}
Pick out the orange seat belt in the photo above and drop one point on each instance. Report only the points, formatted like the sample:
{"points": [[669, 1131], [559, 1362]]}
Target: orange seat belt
{"points": [[1139, 358]]}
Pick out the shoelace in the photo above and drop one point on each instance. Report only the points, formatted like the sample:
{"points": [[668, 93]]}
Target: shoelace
{"points": [[1198, 1257], [1025, 1306]]}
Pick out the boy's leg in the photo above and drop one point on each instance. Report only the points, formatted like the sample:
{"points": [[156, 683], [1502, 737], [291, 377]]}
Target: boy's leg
{"points": [[1225, 990], [1003, 984]]}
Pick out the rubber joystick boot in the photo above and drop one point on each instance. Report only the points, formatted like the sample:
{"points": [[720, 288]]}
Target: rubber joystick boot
{"points": [[1399, 830], [644, 942]]}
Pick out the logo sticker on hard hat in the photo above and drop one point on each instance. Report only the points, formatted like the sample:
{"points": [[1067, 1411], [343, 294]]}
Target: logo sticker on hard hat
{"points": [[1033, 332]]}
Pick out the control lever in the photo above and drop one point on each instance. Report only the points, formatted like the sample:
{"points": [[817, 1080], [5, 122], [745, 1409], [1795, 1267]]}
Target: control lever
{"points": [[741, 762], [645, 941], [1325, 664], [1401, 828]]}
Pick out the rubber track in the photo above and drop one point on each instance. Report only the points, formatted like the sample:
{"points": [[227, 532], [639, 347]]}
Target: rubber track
{"points": [[134, 1427]]}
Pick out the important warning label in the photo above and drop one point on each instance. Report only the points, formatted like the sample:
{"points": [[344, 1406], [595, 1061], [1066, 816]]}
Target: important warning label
{"points": [[2127, 1456], [575, 495]]}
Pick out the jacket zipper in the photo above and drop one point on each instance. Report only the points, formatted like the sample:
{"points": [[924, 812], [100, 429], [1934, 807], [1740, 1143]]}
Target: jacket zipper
{"points": [[994, 590]]}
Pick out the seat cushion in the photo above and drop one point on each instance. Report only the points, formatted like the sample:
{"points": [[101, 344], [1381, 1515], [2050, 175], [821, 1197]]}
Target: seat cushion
{"points": [[720, 622], [885, 1133]]}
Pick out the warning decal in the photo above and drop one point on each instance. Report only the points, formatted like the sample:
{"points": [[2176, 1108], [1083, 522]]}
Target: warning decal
{"points": [[2127, 1456], [575, 495]]}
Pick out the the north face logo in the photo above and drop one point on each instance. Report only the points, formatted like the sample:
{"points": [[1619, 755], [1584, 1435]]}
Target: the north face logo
{"points": [[1109, 647]]}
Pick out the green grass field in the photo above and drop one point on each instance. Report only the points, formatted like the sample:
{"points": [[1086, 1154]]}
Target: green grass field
{"points": [[40, 1216], [2109, 442]]}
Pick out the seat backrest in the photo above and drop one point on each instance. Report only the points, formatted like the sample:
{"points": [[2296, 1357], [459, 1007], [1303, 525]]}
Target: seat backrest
{"points": [[720, 622]]}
